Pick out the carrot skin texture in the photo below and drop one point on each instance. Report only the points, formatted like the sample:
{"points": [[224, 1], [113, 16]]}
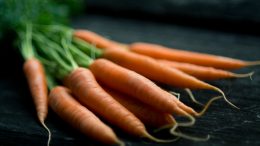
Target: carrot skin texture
{"points": [[131, 83], [83, 84], [36, 79], [154, 70], [98, 40], [70, 110], [145, 113], [203, 59], [200, 72]]}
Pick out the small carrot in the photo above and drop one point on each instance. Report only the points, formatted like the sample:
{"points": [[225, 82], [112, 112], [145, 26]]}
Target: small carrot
{"points": [[202, 72], [35, 75], [83, 84], [154, 70], [145, 113], [161, 52], [97, 40], [63, 104]]}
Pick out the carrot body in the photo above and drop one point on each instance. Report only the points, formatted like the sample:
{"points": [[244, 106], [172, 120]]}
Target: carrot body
{"points": [[97, 40], [137, 86], [154, 70], [36, 79], [63, 104], [83, 84], [161, 52], [145, 113], [202, 72]]}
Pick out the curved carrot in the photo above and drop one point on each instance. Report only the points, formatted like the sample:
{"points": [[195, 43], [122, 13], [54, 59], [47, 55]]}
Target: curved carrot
{"points": [[97, 40], [36, 79], [154, 70], [145, 113], [202, 72], [63, 104], [203, 59], [83, 84]]}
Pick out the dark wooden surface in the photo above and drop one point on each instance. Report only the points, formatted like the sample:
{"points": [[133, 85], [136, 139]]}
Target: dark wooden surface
{"points": [[226, 125]]}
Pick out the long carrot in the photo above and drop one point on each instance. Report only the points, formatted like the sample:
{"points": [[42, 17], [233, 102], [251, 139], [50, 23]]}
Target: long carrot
{"points": [[161, 52], [83, 84], [154, 70], [63, 104], [152, 117], [202, 72], [203, 59], [148, 115]]}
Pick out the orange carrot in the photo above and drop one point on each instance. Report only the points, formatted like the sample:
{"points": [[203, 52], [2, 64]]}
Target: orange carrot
{"points": [[154, 70], [202, 72], [138, 86], [63, 104], [145, 113], [83, 84], [161, 52], [36, 79], [97, 40]]}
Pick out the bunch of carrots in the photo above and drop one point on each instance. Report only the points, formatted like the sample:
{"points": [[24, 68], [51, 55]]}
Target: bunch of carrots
{"points": [[83, 77]]}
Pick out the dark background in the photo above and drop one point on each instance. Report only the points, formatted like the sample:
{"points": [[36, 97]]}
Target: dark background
{"points": [[219, 27]]}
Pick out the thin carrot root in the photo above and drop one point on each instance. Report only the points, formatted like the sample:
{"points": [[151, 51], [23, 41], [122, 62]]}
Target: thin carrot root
{"points": [[192, 97], [168, 126], [253, 63], [120, 143], [182, 135], [49, 132], [149, 136], [187, 124], [224, 96], [178, 95], [207, 105], [244, 75]]}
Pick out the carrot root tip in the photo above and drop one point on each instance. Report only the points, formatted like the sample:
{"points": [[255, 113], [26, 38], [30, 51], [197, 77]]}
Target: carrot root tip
{"points": [[182, 135], [178, 95], [189, 123], [49, 132], [253, 63], [192, 97], [244, 75], [224, 96], [147, 135], [207, 105], [163, 128], [120, 143]]}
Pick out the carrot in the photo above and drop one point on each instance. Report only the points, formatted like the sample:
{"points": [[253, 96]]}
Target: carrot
{"points": [[145, 113], [36, 79], [202, 72], [154, 70], [63, 104], [83, 84], [97, 40], [161, 52]]}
